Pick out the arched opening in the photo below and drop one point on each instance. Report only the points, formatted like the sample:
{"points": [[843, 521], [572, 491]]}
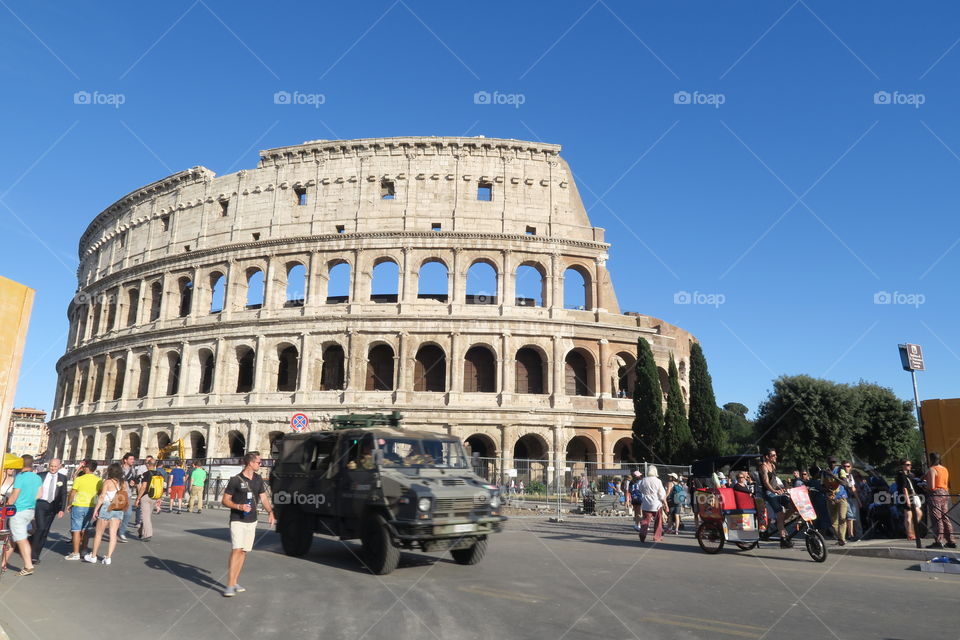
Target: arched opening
{"points": [[332, 369], [133, 306], [185, 288], [626, 365], [380, 368], [74, 439], [88, 447], [255, 288], [338, 283], [578, 374], [479, 371], [96, 329], [581, 449], [288, 366], [273, 440], [109, 446], [530, 447], [218, 291], [483, 453], [245, 362], [133, 444], [237, 444], [623, 450], [156, 298], [432, 281], [296, 285], [664, 381], [173, 373], [99, 365], [481, 283], [111, 311], [430, 369], [386, 279], [163, 439], [119, 375], [143, 376], [530, 459], [205, 356], [530, 285], [198, 445], [82, 324], [529, 371], [84, 382], [576, 288]]}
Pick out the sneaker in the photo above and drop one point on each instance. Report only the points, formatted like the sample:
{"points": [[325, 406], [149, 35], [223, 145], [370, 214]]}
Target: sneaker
{"points": [[90, 558], [951, 545], [238, 588], [72, 556], [106, 560], [636, 527], [146, 539], [786, 544], [122, 538], [841, 543], [935, 545], [229, 592]]}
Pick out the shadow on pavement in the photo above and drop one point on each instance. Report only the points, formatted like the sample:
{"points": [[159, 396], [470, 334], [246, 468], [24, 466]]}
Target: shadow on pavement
{"points": [[184, 571]]}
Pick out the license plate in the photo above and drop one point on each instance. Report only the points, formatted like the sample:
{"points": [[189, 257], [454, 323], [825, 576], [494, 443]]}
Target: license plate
{"points": [[464, 528]]}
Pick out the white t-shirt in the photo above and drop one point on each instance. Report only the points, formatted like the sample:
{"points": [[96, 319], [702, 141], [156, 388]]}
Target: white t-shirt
{"points": [[652, 494]]}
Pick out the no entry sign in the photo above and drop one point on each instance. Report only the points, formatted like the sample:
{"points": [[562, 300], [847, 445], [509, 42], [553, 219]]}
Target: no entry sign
{"points": [[299, 422]]}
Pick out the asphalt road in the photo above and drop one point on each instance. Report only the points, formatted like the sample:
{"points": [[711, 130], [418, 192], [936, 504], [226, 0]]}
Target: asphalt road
{"points": [[585, 578]]}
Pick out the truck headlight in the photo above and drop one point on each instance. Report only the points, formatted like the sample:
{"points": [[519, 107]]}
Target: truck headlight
{"points": [[424, 504], [495, 502]]}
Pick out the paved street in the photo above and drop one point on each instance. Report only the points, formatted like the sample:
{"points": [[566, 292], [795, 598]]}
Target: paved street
{"points": [[585, 578]]}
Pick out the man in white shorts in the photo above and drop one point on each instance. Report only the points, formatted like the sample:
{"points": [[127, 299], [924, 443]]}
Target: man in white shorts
{"points": [[243, 493]]}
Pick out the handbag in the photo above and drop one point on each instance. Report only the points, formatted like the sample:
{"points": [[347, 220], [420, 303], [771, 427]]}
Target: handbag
{"points": [[121, 500]]}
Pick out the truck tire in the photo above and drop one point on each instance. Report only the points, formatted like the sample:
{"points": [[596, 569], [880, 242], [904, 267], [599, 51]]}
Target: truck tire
{"points": [[380, 554], [296, 535], [471, 555]]}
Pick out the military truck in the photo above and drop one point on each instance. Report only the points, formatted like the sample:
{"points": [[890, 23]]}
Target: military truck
{"points": [[369, 478]]}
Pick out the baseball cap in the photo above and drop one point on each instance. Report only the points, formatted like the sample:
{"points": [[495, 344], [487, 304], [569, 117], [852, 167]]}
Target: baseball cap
{"points": [[720, 474], [637, 474], [672, 475]]}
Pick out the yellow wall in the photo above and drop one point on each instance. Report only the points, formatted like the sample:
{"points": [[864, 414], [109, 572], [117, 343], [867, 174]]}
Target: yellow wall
{"points": [[16, 301], [941, 430]]}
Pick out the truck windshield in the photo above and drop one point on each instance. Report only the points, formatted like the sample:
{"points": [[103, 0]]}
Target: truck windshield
{"points": [[413, 452]]}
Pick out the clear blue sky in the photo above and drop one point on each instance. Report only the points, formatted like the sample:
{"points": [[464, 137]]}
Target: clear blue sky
{"points": [[793, 202]]}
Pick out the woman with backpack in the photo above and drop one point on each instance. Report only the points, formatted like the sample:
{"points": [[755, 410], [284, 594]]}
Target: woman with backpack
{"points": [[676, 498], [108, 513]]}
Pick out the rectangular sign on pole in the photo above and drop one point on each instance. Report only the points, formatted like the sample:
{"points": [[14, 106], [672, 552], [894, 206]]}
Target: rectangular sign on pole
{"points": [[911, 357]]}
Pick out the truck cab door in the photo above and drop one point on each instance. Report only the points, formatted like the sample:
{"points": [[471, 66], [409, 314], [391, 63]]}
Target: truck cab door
{"points": [[320, 489], [355, 481]]}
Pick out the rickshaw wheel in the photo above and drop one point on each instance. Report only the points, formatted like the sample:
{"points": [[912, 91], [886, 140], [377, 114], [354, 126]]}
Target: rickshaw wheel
{"points": [[710, 537], [747, 546], [816, 545]]}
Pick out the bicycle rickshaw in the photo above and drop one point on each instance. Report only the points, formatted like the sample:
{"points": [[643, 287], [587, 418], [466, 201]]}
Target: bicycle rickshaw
{"points": [[10, 461], [739, 517]]}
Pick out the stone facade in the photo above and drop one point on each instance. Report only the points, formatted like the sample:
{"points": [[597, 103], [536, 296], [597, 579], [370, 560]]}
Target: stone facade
{"points": [[214, 308], [28, 432]]}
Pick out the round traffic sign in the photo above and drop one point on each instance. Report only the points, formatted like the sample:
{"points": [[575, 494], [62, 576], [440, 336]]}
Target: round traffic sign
{"points": [[299, 422]]}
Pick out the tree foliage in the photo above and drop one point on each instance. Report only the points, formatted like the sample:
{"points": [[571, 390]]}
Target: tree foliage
{"points": [[647, 406], [708, 437], [740, 432], [884, 425], [677, 441]]}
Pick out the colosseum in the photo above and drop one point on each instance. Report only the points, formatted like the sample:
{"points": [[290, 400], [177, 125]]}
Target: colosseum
{"points": [[457, 280]]}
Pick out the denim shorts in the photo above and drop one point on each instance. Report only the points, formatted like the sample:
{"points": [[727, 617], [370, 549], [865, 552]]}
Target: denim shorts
{"points": [[852, 509], [80, 518], [18, 524], [106, 514], [777, 502]]}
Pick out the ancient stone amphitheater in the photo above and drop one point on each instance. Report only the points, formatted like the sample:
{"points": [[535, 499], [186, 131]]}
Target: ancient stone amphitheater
{"points": [[457, 280]]}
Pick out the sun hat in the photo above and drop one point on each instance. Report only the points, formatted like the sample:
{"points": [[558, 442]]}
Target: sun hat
{"points": [[637, 474], [672, 475]]}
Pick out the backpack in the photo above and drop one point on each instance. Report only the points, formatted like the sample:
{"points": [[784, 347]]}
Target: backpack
{"points": [[678, 495], [635, 494], [155, 488]]}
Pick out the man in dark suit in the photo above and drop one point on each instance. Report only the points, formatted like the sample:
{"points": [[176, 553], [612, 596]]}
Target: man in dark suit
{"points": [[53, 494]]}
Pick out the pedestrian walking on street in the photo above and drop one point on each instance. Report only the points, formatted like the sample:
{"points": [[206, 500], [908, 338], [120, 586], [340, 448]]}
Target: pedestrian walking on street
{"points": [[53, 497], [653, 503], [835, 483], [178, 483], [198, 477], [83, 495], [938, 484], [26, 490], [149, 494], [908, 499], [853, 501], [130, 476], [108, 512], [244, 492], [9, 475]]}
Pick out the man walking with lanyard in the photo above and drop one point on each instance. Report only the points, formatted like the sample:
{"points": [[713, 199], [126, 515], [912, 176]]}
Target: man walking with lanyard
{"points": [[244, 491]]}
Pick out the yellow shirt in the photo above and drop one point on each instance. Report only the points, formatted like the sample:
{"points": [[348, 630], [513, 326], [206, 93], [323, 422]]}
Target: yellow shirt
{"points": [[87, 487]]}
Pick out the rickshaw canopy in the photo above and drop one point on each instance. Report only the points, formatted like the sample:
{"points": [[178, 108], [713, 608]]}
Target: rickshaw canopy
{"points": [[11, 461], [708, 466]]}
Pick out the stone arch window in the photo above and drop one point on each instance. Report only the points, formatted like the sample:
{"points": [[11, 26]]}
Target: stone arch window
{"points": [[198, 445], [581, 449], [84, 373], [173, 373], [682, 369], [481, 445], [218, 291], [99, 368], [207, 364], [143, 376], [119, 376], [387, 189], [626, 365], [576, 288], [530, 447], [185, 291], [74, 439], [481, 283], [623, 450], [109, 447], [332, 369], [163, 439], [578, 373], [380, 368], [338, 283], [432, 280], [88, 447], [133, 306], [133, 444], [530, 371], [288, 366], [530, 285], [296, 284], [68, 389], [255, 288], [430, 369], [97, 313], [82, 323], [156, 298], [273, 442], [246, 358], [664, 381], [479, 371], [236, 443], [111, 309], [385, 282]]}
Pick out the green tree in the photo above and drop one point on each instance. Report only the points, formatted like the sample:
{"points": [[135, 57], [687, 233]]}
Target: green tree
{"points": [[741, 435], [708, 437], [884, 425], [677, 441], [647, 406]]}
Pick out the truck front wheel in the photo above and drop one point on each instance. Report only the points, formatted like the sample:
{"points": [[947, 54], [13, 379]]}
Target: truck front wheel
{"points": [[380, 554], [296, 534], [472, 554]]}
